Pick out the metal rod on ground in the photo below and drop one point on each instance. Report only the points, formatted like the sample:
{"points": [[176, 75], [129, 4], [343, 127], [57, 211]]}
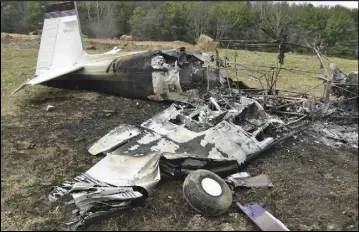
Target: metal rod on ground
{"points": [[253, 89], [215, 103], [290, 123], [288, 104], [344, 99], [296, 93], [292, 113], [272, 96], [291, 98], [343, 117]]}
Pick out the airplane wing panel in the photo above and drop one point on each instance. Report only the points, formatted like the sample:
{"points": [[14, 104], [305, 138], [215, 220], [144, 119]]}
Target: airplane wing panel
{"points": [[52, 74]]}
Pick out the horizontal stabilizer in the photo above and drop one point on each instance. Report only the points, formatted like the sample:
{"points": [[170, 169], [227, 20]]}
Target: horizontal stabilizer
{"points": [[52, 74]]}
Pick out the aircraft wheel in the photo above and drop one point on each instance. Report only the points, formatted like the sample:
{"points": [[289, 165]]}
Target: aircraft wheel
{"points": [[207, 193]]}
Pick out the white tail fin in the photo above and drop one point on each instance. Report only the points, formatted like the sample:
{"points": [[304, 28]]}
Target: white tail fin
{"points": [[61, 35]]}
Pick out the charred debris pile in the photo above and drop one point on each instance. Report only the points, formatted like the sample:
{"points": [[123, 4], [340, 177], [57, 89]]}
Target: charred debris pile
{"points": [[216, 133], [208, 132]]}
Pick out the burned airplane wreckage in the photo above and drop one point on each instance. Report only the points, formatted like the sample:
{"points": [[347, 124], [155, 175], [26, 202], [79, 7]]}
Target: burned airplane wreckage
{"points": [[63, 63], [150, 75], [216, 136], [217, 130], [209, 126], [155, 75]]}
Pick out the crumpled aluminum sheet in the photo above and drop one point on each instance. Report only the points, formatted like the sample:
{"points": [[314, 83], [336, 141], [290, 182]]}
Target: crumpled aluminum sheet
{"points": [[243, 179], [114, 183]]}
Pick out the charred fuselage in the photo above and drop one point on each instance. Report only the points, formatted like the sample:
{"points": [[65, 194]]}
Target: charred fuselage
{"points": [[145, 75]]}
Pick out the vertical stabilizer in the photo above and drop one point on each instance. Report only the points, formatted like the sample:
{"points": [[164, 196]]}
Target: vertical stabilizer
{"points": [[61, 43]]}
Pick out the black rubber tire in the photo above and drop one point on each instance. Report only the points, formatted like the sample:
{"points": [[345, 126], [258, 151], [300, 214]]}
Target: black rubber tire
{"points": [[200, 200]]}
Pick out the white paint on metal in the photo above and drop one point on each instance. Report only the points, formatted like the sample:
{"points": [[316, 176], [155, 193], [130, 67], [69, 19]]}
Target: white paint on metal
{"points": [[68, 46], [215, 103], [149, 137], [215, 154], [240, 175], [46, 76], [62, 52], [226, 138], [203, 142], [47, 45], [134, 147], [124, 170], [165, 145], [61, 44], [161, 125], [232, 140], [211, 187], [182, 135], [114, 138], [174, 132]]}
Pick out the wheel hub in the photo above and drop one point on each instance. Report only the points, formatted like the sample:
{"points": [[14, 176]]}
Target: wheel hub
{"points": [[211, 187]]}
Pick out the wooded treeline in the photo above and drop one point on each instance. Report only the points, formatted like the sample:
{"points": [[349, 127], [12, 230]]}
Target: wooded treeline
{"points": [[186, 21]]}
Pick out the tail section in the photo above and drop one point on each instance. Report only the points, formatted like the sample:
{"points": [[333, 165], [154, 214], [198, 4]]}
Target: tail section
{"points": [[61, 45]]}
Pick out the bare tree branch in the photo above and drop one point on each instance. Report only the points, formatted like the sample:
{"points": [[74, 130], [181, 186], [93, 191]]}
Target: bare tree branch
{"points": [[199, 20], [88, 7]]}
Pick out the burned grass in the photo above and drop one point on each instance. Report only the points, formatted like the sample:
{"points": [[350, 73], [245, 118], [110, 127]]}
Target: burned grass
{"points": [[315, 187]]}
